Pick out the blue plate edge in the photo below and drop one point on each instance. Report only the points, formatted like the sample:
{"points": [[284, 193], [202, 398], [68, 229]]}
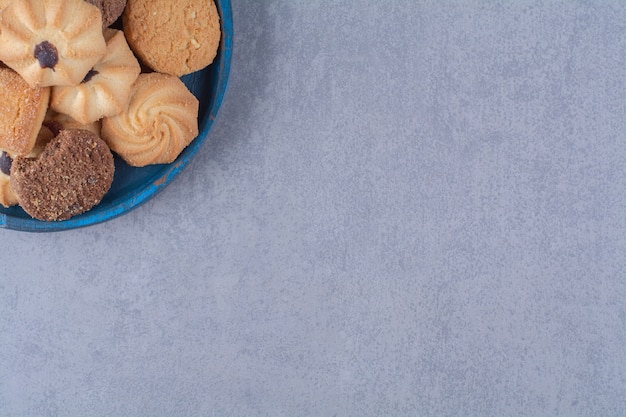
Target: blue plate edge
{"points": [[152, 189]]}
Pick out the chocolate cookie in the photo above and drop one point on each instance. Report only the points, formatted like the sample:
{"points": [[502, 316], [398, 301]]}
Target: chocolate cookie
{"points": [[22, 110], [7, 196], [111, 10], [72, 174]]}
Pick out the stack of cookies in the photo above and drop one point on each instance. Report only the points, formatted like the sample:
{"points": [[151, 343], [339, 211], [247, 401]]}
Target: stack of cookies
{"points": [[76, 89]]}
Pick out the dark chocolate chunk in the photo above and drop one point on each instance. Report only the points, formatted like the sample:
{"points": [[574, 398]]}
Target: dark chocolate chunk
{"points": [[89, 76], [47, 55], [5, 163], [53, 126]]}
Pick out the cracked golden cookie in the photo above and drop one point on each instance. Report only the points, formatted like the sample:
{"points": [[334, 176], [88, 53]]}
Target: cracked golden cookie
{"points": [[23, 109], [173, 37], [161, 119], [71, 175], [106, 88], [111, 10], [51, 42]]}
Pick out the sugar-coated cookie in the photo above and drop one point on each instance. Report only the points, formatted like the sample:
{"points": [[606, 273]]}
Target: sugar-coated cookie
{"points": [[111, 10], [173, 37], [51, 42], [161, 119], [106, 88], [22, 110], [70, 176]]}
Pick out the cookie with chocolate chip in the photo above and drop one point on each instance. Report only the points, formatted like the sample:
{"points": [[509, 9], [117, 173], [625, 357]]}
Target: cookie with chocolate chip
{"points": [[71, 175], [51, 42]]}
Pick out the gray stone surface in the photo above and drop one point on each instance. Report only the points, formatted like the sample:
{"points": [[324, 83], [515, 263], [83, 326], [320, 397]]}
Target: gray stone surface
{"points": [[406, 208]]}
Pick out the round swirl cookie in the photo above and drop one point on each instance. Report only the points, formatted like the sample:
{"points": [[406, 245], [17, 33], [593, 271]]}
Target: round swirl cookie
{"points": [[106, 88], [7, 196], [161, 119], [173, 37], [51, 42]]}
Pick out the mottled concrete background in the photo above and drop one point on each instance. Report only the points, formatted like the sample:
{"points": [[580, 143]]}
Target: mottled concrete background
{"points": [[406, 208]]}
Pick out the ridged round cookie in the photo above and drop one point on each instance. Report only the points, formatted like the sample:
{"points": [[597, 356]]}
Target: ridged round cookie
{"points": [[110, 9], [72, 174], [106, 89], [161, 119], [173, 37], [51, 42], [22, 109]]}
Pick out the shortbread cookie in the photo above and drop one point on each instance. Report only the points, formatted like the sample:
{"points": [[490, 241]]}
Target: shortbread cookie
{"points": [[51, 42], [106, 88], [173, 37], [22, 110], [161, 119], [72, 174], [111, 10]]}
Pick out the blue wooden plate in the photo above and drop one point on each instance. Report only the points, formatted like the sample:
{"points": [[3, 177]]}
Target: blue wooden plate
{"points": [[133, 186]]}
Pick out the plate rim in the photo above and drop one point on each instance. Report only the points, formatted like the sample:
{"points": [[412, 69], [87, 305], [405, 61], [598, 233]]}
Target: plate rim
{"points": [[148, 190]]}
